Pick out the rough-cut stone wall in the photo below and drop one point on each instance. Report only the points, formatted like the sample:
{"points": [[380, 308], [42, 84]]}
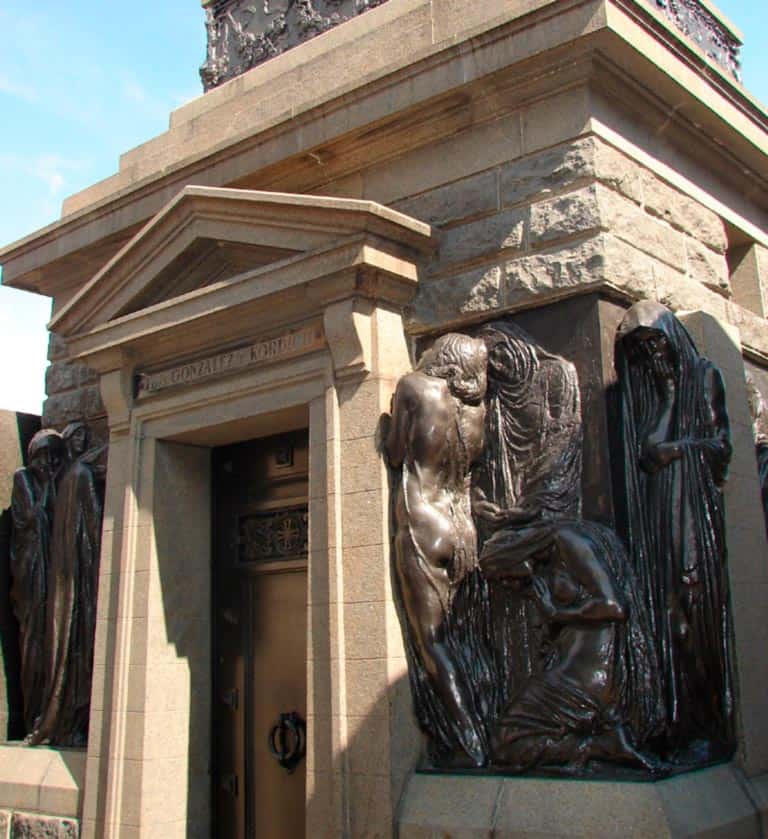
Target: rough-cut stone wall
{"points": [[72, 391], [577, 214]]}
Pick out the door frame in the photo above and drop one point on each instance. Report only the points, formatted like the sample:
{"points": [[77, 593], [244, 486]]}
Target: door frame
{"points": [[157, 530]]}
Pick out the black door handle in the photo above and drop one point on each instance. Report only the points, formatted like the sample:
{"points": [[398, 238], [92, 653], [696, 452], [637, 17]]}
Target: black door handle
{"points": [[287, 740]]}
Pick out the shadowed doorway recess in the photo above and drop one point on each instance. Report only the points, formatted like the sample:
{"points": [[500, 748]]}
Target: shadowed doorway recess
{"points": [[259, 644]]}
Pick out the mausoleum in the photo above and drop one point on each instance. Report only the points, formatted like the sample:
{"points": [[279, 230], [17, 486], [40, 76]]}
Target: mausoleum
{"points": [[422, 361]]}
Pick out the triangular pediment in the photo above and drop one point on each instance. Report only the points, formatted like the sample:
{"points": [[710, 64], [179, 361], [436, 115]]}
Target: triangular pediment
{"points": [[207, 237]]}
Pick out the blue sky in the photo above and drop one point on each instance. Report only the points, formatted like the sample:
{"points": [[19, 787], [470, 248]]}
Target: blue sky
{"points": [[82, 82]]}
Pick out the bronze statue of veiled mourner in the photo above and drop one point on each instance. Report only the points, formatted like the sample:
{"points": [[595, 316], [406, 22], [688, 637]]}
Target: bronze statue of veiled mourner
{"points": [[532, 634], [32, 503], [676, 454], [57, 511]]}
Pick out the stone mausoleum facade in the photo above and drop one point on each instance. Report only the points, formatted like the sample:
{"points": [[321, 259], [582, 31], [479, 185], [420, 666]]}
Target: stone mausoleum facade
{"points": [[358, 179]]}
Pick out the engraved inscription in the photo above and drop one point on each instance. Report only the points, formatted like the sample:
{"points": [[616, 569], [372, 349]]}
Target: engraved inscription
{"points": [[296, 342]]}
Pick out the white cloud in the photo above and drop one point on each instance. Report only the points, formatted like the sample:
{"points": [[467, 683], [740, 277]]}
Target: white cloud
{"points": [[18, 91], [133, 91], [50, 169]]}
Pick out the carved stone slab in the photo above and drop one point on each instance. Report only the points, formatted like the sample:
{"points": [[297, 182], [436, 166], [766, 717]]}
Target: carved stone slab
{"points": [[243, 33]]}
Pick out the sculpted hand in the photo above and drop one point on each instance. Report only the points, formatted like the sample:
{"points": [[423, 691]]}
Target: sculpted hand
{"points": [[520, 515], [494, 514], [540, 592], [488, 511], [656, 456]]}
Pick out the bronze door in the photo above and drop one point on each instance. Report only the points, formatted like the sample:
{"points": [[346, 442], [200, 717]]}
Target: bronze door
{"points": [[259, 637]]}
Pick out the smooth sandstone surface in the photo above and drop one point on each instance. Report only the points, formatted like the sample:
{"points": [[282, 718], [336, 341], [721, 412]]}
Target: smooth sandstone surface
{"points": [[712, 803]]}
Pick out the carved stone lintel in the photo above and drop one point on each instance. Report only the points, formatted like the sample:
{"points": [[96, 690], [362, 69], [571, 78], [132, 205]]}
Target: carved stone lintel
{"points": [[242, 33]]}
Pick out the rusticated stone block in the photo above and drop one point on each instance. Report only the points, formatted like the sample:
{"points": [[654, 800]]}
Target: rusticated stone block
{"points": [[539, 174], [682, 212], [464, 199], [31, 826], [574, 213], [617, 171], [707, 266], [627, 221], [554, 270], [446, 299], [62, 408], [64, 375], [57, 347], [488, 236]]}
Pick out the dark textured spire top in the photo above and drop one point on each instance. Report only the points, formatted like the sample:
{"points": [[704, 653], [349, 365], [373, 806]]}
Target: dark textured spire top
{"points": [[243, 33], [705, 26]]}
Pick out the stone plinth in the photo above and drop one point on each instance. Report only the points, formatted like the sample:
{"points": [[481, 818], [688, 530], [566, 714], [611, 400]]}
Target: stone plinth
{"points": [[715, 803], [40, 792]]}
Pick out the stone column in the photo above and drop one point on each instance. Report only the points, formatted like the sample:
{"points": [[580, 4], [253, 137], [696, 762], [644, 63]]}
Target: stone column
{"points": [[746, 540], [376, 742]]}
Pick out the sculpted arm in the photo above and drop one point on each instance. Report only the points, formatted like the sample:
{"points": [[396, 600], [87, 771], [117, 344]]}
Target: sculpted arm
{"points": [[396, 445], [22, 501], [600, 601], [717, 449]]}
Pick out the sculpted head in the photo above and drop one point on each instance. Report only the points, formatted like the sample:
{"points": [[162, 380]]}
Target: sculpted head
{"points": [[651, 336], [75, 437], [462, 361], [45, 451]]}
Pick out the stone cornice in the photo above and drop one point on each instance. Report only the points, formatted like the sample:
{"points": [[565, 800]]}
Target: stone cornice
{"points": [[581, 41]]}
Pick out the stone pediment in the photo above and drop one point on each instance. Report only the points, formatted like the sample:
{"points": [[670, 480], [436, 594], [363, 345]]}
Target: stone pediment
{"points": [[211, 251]]}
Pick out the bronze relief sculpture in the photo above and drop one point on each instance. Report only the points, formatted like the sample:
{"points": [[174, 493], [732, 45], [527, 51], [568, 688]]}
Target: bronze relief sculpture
{"points": [[579, 686], [57, 511], [537, 640], [436, 434], [676, 454]]}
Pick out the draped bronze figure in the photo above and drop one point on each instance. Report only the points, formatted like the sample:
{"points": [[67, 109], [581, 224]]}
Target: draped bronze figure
{"points": [[537, 656], [571, 636], [32, 501], [57, 511], [759, 414], [71, 595], [676, 454]]}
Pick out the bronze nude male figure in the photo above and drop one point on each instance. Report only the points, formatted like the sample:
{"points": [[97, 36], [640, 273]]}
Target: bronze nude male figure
{"points": [[436, 434]]}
